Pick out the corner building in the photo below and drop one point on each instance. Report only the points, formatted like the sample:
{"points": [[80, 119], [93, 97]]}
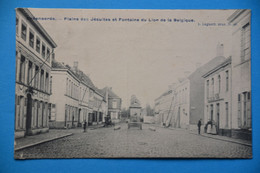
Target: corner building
{"points": [[241, 74], [34, 52]]}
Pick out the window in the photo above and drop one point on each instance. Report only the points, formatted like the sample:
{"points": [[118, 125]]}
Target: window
{"points": [[29, 76], [211, 112], [48, 54], [17, 24], [22, 69], [212, 84], [227, 80], [239, 110], [219, 83], [227, 118], [47, 82], [207, 113], [31, 39], [245, 42], [207, 88], [36, 78], [20, 112], [38, 44], [24, 31], [67, 86], [42, 80], [246, 123], [43, 50], [51, 85], [114, 105]]}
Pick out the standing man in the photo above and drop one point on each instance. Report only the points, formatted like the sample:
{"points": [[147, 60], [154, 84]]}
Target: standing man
{"points": [[85, 126], [199, 125]]}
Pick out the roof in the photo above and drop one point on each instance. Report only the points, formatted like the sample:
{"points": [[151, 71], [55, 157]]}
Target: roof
{"points": [[81, 76], [111, 94], [136, 105], [223, 64], [56, 64], [206, 67], [37, 25], [236, 14]]}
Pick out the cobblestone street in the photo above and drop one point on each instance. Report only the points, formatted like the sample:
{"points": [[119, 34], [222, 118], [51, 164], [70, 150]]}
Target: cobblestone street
{"points": [[132, 143]]}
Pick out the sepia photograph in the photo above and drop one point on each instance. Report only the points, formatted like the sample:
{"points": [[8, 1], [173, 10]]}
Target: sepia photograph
{"points": [[103, 83]]}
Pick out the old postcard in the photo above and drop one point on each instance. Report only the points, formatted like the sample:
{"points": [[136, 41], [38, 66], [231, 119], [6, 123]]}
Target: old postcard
{"points": [[133, 84]]}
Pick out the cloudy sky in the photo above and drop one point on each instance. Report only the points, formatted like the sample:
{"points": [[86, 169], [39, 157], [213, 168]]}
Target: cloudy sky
{"points": [[141, 58]]}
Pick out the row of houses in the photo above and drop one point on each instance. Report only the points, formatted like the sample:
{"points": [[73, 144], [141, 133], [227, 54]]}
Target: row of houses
{"points": [[218, 91], [51, 94]]}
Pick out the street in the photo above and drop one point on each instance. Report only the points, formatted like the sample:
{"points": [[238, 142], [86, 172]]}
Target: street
{"points": [[135, 143]]}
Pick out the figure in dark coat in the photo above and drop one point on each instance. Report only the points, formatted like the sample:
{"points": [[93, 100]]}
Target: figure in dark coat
{"points": [[199, 125], [85, 125]]}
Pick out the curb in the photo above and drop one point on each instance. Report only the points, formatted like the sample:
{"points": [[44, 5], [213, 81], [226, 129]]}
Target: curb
{"points": [[40, 142], [236, 142]]}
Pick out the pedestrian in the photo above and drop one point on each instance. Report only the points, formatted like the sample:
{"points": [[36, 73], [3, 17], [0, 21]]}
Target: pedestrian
{"points": [[199, 125], [85, 126]]}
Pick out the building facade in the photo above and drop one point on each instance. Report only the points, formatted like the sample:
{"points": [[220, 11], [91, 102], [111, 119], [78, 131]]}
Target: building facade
{"points": [[113, 104], [241, 73], [75, 98], [181, 104], [34, 52], [197, 88], [217, 97], [65, 97]]}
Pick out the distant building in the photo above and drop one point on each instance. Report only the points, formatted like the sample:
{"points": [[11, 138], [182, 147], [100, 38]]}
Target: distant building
{"points": [[217, 97], [183, 104], [34, 52], [75, 98], [241, 73], [114, 104], [197, 88], [135, 107], [164, 107]]}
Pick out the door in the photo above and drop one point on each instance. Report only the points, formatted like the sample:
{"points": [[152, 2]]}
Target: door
{"points": [[29, 114], [179, 118], [217, 119]]}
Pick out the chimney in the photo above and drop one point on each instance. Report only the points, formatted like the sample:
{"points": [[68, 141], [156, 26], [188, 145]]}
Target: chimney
{"points": [[220, 49], [75, 66]]}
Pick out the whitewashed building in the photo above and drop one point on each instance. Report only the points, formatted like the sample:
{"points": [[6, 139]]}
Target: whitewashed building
{"points": [[34, 52], [241, 74], [65, 96], [217, 97], [181, 104]]}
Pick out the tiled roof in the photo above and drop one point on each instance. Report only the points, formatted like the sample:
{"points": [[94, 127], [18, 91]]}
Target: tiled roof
{"points": [[56, 64], [81, 76], [111, 94]]}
